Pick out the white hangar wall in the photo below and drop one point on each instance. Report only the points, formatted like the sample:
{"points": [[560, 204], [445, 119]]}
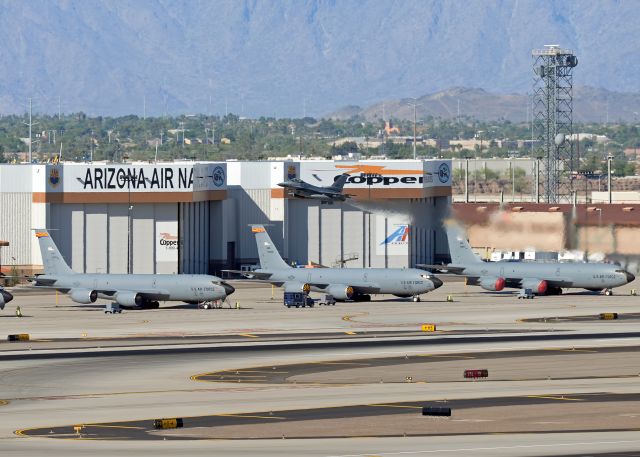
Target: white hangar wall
{"points": [[194, 217]]}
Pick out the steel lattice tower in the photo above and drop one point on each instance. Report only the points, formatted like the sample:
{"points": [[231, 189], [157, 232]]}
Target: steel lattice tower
{"points": [[552, 107]]}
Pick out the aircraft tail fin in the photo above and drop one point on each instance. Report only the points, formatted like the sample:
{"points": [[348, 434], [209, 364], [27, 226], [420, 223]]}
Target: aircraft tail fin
{"points": [[339, 183], [52, 260], [459, 248], [270, 258]]}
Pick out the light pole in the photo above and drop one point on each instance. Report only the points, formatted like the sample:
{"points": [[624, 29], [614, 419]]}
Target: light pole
{"points": [[128, 179], [415, 110], [609, 160]]}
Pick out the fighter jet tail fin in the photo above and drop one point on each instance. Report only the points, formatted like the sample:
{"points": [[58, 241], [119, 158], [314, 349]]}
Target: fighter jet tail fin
{"points": [[339, 183], [459, 248], [52, 260], [269, 257]]}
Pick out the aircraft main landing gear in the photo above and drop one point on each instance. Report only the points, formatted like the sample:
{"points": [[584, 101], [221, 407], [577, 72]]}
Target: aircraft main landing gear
{"points": [[608, 292]]}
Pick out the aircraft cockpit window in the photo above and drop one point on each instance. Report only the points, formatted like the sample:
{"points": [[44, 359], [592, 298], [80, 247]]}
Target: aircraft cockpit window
{"points": [[425, 276], [296, 180]]}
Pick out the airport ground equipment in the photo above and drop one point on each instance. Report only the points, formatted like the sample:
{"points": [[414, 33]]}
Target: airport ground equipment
{"points": [[328, 300], [344, 284], [476, 374], [297, 300], [441, 411], [168, 423], [112, 308], [525, 293], [132, 291], [18, 337], [543, 278]]}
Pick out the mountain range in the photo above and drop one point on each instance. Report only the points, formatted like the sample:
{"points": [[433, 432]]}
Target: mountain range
{"points": [[296, 57], [589, 105]]}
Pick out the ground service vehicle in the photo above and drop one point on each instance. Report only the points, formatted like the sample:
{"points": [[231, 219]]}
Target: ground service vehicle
{"points": [[298, 299]]}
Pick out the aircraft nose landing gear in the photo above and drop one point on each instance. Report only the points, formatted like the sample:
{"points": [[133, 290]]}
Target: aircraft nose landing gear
{"points": [[416, 298]]}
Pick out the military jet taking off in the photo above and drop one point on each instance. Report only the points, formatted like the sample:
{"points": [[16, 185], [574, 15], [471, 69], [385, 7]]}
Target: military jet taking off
{"points": [[301, 189], [343, 283], [134, 291], [542, 278]]}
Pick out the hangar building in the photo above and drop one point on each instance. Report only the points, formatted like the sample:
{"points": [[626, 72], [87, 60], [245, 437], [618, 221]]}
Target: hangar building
{"points": [[190, 217]]}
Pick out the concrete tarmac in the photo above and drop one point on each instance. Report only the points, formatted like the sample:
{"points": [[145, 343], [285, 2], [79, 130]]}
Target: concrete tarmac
{"points": [[62, 392]]}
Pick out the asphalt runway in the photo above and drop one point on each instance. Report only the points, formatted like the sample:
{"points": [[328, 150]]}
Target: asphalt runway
{"points": [[617, 412], [554, 388]]}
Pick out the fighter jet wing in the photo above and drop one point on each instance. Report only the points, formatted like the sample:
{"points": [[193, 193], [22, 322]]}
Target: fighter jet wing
{"points": [[442, 268], [250, 274]]}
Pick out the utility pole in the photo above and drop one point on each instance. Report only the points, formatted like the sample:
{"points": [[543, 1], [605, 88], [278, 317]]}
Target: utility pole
{"points": [[414, 131], [415, 109], [30, 124], [609, 159]]}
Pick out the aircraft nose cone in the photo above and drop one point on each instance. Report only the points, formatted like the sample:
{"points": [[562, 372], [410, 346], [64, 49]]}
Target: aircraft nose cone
{"points": [[282, 184], [630, 276], [437, 282], [228, 288], [6, 296]]}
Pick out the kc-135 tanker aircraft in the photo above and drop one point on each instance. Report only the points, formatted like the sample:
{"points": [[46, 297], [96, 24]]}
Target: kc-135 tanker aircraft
{"points": [[135, 291], [344, 284], [542, 278]]}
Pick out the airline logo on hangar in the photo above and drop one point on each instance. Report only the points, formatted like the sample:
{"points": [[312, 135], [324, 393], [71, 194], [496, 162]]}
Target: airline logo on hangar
{"points": [[399, 236], [54, 177], [371, 175], [218, 176]]}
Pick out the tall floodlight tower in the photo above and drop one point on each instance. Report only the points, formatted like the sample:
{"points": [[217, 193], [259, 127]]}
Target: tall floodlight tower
{"points": [[553, 119]]}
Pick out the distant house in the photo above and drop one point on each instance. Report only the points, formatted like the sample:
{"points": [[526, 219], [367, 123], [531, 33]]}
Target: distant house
{"points": [[390, 129]]}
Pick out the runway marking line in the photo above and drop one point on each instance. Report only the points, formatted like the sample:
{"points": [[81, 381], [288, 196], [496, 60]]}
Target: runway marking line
{"points": [[248, 335], [231, 380], [247, 416], [447, 356], [339, 363], [233, 375], [553, 397], [113, 426], [568, 350], [396, 406]]}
